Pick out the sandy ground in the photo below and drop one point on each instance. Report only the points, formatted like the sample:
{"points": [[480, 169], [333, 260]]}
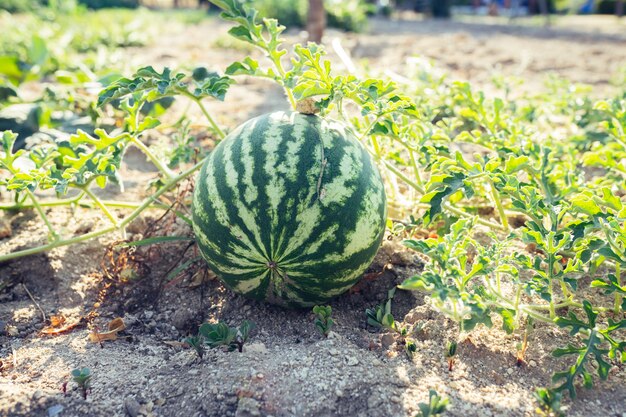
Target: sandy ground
{"points": [[287, 369]]}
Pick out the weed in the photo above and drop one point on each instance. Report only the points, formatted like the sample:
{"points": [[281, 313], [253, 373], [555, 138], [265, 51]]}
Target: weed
{"points": [[323, 320]]}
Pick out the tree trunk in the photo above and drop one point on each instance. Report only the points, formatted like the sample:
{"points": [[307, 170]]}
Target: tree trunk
{"points": [[440, 8], [543, 7], [316, 20], [619, 8]]}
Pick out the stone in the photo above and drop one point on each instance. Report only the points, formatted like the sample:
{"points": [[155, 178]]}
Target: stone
{"points": [[255, 348], [55, 410], [132, 407], [5, 229], [373, 401], [351, 361], [247, 407], [387, 340]]}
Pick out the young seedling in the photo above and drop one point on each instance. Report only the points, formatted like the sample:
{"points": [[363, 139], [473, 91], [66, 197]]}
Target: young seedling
{"points": [[435, 407], [381, 316], [82, 377], [451, 354], [220, 334], [521, 347], [197, 343], [323, 321], [243, 333], [410, 348], [549, 403]]}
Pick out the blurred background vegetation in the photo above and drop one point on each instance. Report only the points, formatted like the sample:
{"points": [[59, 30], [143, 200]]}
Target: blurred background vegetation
{"points": [[343, 14]]}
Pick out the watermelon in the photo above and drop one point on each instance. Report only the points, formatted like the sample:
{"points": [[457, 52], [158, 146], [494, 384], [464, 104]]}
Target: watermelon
{"points": [[289, 208]]}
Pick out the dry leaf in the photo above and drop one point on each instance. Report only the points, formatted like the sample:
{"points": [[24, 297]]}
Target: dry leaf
{"points": [[202, 276], [58, 325], [57, 320], [116, 325]]}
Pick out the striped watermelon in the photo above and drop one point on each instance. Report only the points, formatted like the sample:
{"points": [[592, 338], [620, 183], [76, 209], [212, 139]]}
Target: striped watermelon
{"points": [[281, 218]]}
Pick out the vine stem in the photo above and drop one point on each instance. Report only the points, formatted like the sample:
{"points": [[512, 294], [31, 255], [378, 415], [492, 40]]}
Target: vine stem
{"points": [[281, 71], [89, 204], [447, 206], [125, 222], [206, 113], [617, 306], [498, 202], [153, 158], [54, 203], [103, 207], [43, 216]]}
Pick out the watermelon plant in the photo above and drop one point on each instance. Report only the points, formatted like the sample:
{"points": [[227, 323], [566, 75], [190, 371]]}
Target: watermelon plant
{"points": [[514, 201]]}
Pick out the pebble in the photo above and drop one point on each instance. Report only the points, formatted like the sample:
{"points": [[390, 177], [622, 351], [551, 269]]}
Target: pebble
{"points": [[181, 318], [255, 348], [333, 352], [373, 401], [11, 330], [84, 227], [532, 363], [351, 361], [332, 335], [339, 393], [387, 340], [132, 407], [5, 229], [510, 371], [247, 407], [55, 410]]}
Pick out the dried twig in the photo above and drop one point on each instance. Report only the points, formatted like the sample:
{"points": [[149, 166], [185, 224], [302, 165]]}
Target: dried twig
{"points": [[43, 315]]}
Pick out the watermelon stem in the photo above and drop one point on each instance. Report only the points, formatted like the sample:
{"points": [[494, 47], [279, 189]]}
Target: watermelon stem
{"points": [[206, 113], [147, 203]]}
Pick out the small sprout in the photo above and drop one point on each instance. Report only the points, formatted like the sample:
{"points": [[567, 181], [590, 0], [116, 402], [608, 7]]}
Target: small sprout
{"points": [[197, 343], [522, 346], [323, 321], [450, 354], [220, 334], [549, 403], [216, 335], [243, 333], [410, 348], [436, 405], [82, 377], [381, 316]]}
